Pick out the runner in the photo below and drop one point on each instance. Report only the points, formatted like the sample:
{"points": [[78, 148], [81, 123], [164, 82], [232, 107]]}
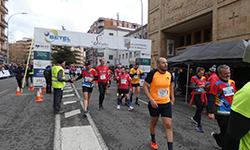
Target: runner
{"points": [[135, 73], [126, 72], [238, 130], [73, 69], [161, 89], [197, 83], [124, 81], [222, 96], [117, 72], [88, 76], [110, 74], [102, 72]]}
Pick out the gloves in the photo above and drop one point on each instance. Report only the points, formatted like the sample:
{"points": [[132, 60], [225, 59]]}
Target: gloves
{"points": [[69, 81]]}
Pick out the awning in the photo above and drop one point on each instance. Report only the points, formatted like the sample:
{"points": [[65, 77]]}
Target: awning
{"points": [[230, 53]]}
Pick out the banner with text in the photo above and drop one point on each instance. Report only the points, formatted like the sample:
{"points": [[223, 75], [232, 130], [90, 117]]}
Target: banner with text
{"points": [[62, 37]]}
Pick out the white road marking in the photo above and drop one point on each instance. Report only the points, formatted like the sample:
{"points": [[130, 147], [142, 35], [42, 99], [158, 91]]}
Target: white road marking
{"points": [[92, 123], [3, 91], [57, 135], [67, 90], [68, 102], [68, 95], [143, 101], [79, 137], [72, 113]]}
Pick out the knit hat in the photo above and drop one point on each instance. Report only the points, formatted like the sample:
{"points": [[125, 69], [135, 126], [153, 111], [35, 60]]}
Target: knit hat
{"points": [[87, 63], [120, 65], [60, 61], [213, 69]]}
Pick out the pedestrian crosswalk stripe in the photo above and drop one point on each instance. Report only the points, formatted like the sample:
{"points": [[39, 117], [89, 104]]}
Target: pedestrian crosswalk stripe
{"points": [[68, 102], [68, 95], [72, 113]]}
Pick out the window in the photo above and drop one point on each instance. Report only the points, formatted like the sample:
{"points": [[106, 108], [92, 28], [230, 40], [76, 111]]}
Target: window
{"points": [[189, 39], [114, 23], [134, 54], [197, 36], [119, 56], [110, 57], [129, 25], [122, 56], [182, 40], [125, 24], [126, 55], [111, 34], [120, 24], [130, 54], [207, 33]]}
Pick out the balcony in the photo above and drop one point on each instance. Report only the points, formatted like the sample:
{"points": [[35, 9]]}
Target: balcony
{"points": [[3, 37], [100, 24], [3, 23], [3, 9]]}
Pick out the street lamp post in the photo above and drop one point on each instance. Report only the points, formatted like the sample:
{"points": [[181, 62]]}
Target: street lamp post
{"points": [[8, 48], [141, 20]]}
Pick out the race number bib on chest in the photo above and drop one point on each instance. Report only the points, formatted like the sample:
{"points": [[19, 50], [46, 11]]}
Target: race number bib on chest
{"points": [[136, 76], [229, 91], [103, 77], [123, 81], [162, 92]]}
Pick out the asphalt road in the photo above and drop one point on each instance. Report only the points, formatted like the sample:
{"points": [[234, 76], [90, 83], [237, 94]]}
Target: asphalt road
{"points": [[25, 124]]}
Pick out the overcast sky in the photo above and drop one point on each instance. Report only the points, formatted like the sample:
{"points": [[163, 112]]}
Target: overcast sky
{"points": [[74, 15]]}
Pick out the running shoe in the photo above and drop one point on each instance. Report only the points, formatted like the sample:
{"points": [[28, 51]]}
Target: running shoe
{"points": [[199, 128], [192, 118], [85, 114], [102, 107], [153, 145], [99, 108], [215, 141], [130, 108], [137, 103], [118, 107], [88, 110]]}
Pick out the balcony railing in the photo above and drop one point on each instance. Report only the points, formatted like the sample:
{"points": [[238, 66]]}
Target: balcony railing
{"points": [[3, 23], [3, 9]]}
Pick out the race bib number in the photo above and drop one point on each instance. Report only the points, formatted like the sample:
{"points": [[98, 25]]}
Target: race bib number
{"points": [[229, 91], [123, 81], [162, 92], [200, 90], [103, 77], [87, 78], [136, 76]]}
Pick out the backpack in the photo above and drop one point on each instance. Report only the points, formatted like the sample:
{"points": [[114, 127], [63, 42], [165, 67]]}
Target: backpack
{"points": [[47, 74]]}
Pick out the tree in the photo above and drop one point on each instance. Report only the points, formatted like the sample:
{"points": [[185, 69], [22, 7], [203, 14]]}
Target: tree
{"points": [[63, 52]]}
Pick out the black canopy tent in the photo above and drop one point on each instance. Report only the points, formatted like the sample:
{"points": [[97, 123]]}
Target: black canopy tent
{"points": [[230, 53]]}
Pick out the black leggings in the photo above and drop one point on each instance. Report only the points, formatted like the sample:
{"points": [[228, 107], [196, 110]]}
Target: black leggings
{"points": [[19, 82], [238, 126], [102, 87], [199, 106], [222, 122]]}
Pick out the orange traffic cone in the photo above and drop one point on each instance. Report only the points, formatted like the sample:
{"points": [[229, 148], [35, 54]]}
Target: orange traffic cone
{"points": [[40, 90], [38, 97], [31, 88], [18, 91], [44, 87]]}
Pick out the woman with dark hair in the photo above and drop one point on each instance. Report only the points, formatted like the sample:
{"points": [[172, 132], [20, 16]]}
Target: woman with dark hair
{"points": [[19, 75], [198, 84]]}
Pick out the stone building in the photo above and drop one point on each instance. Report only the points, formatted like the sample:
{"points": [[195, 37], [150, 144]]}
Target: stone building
{"points": [[174, 26]]}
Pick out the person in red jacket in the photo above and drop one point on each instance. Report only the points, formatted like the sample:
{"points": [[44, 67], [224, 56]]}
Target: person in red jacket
{"points": [[102, 82], [124, 81]]}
